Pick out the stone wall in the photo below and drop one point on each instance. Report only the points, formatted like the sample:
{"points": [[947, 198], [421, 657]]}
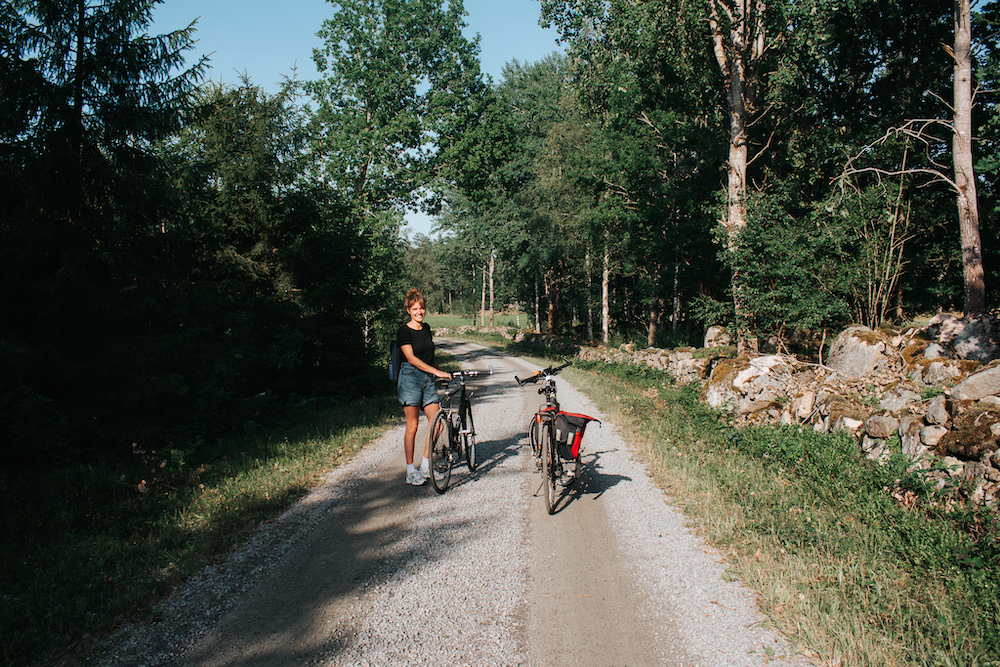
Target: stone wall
{"points": [[931, 394]]}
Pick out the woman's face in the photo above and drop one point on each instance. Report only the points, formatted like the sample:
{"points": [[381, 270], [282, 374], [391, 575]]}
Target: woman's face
{"points": [[417, 311]]}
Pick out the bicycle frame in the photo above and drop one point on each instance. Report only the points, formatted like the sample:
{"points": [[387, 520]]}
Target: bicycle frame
{"points": [[541, 435], [453, 433]]}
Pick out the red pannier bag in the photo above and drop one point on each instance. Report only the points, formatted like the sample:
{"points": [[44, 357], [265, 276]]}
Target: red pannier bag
{"points": [[570, 427]]}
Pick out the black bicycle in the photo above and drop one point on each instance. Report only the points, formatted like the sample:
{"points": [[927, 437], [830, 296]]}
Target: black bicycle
{"points": [[554, 437], [453, 433]]}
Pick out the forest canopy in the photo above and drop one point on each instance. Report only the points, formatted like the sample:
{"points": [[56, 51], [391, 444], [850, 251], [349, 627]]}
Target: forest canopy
{"points": [[183, 260]]}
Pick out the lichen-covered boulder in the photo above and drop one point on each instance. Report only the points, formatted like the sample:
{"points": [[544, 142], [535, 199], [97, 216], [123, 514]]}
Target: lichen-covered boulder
{"points": [[937, 411], [745, 385], [978, 385], [717, 336], [857, 351], [976, 341], [881, 426], [939, 372], [898, 398]]}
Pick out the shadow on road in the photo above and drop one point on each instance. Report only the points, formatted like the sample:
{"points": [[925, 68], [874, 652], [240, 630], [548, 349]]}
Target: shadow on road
{"points": [[591, 482]]}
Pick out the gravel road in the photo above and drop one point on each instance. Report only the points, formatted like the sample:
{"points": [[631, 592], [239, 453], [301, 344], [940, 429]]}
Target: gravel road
{"points": [[369, 571]]}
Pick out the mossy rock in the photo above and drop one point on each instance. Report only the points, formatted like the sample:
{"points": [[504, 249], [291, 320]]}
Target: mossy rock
{"points": [[974, 432]]}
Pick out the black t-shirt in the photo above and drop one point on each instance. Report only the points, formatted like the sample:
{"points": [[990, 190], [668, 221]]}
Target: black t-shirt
{"points": [[422, 342]]}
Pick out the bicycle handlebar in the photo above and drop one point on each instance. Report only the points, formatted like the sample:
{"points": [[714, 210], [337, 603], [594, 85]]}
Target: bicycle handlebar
{"points": [[467, 374], [551, 370]]}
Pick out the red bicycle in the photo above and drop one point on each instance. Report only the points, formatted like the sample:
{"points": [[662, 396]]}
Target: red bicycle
{"points": [[555, 437]]}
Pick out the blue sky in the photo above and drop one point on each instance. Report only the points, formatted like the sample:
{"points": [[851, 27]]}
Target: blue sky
{"points": [[267, 38]]}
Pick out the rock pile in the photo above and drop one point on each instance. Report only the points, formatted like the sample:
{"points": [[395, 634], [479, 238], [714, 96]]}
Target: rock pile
{"points": [[932, 394]]}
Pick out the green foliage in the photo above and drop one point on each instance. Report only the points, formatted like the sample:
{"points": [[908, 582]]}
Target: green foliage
{"points": [[173, 272], [400, 84], [793, 271]]}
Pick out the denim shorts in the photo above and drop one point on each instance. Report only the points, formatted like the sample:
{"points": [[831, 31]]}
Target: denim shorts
{"points": [[416, 387]]}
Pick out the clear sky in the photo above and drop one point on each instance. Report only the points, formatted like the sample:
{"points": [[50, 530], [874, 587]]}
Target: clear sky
{"points": [[267, 38]]}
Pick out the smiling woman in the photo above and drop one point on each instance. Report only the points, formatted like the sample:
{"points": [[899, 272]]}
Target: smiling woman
{"points": [[416, 389]]}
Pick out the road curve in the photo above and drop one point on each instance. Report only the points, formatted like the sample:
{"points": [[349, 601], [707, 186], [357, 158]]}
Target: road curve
{"points": [[369, 571]]}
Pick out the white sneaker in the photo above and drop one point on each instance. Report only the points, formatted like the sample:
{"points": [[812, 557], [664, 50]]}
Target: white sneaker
{"points": [[426, 472], [416, 478]]}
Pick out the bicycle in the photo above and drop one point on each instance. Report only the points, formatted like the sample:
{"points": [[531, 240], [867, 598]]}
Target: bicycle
{"points": [[549, 435], [453, 433]]}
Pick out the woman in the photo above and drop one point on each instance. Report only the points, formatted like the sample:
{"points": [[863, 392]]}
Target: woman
{"points": [[416, 390]]}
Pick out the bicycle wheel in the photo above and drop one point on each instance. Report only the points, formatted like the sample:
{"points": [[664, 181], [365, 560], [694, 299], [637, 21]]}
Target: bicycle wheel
{"points": [[469, 440], [549, 467], [440, 454], [535, 440]]}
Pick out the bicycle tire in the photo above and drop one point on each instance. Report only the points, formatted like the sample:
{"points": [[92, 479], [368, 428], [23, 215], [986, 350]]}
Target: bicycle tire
{"points": [[549, 467], [535, 440], [469, 441], [440, 452]]}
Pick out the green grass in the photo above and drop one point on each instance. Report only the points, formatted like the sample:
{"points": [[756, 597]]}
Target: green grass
{"points": [[849, 574], [85, 550]]}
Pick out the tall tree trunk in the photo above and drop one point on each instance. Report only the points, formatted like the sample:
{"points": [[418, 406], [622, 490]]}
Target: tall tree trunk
{"points": [[482, 307], [590, 289], [965, 177], [552, 301], [538, 308], [675, 317], [76, 121], [654, 321], [738, 51], [605, 291], [492, 267]]}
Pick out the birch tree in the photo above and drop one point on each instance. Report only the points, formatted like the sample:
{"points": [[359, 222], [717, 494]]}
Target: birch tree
{"points": [[739, 39], [965, 176]]}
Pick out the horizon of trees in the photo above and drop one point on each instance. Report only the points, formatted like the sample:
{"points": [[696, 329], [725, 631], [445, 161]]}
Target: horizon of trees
{"points": [[781, 172], [185, 260]]}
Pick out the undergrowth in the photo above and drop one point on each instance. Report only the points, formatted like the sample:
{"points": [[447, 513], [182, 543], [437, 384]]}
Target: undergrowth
{"points": [[87, 548]]}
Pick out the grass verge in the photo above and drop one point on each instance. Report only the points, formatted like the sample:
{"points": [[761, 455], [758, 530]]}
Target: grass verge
{"points": [[90, 547], [848, 574]]}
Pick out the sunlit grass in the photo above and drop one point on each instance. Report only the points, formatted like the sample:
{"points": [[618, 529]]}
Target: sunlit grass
{"points": [[848, 575]]}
